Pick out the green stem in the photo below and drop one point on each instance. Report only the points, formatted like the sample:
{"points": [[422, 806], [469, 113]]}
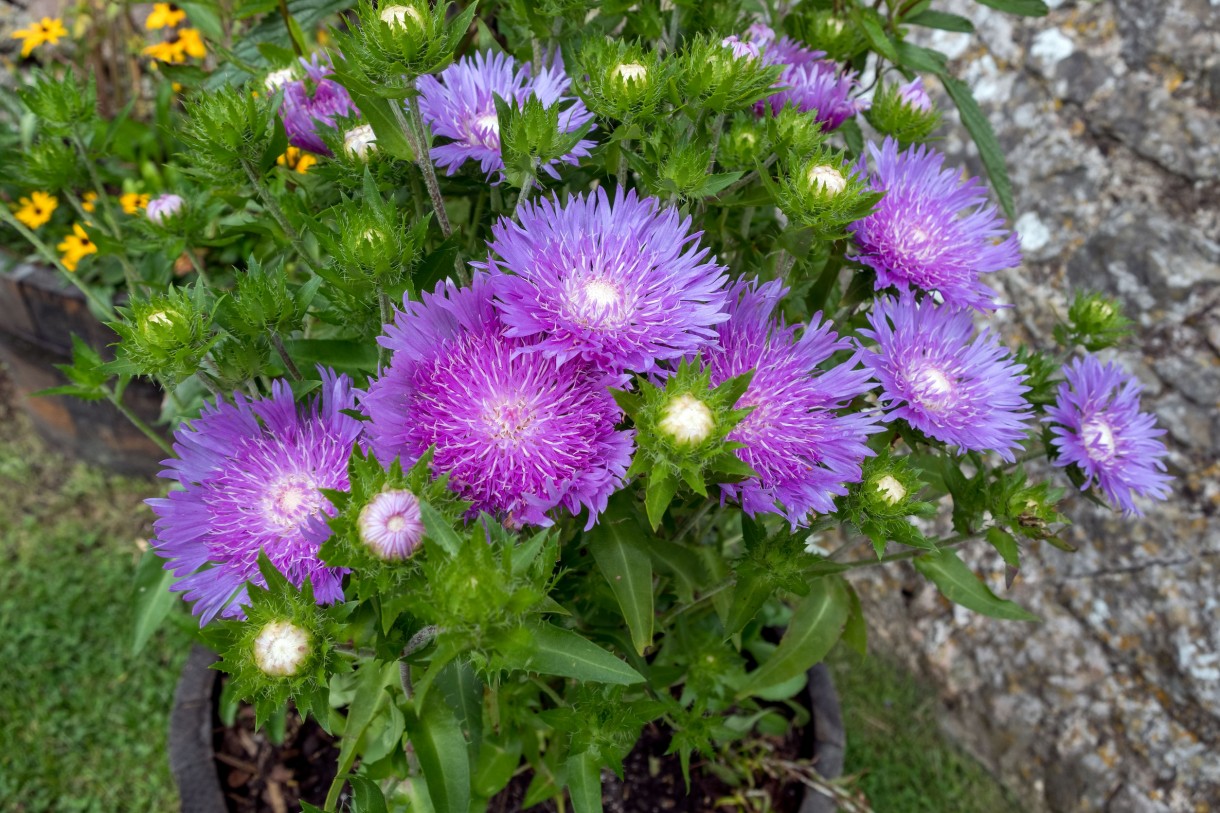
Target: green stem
{"points": [[622, 168], [137, 422], [717, 130], [783, 265], [287, 18], [100, 305], [278, 343], [387, 315], [952, 542], [699, 514], [277, 214], [198, 266], [424, 160], [524, 195]]}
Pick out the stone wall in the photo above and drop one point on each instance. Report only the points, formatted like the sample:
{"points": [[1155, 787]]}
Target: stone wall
{"points": [[1108, 113]]}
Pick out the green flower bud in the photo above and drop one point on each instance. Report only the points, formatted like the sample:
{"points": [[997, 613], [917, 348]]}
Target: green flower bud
{"points": [[226, 131], [168, 335], [684, 171], [708, 76], [823, 30], [391, 46], [51, 165], [1095, 322], [824, 193], [904, 112], [745, 143], [281, 648], [618, 80]]}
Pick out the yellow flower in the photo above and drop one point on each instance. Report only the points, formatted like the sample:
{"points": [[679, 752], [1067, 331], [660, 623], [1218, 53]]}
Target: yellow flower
{"points": [[75, 247], [36, 209], [88, 202], [164, 15], [190, 41], [294, 159], [166, 52], [49, 30], [133, 202]]}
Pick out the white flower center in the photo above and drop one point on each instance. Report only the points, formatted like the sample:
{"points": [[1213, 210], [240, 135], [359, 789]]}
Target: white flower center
{"points": [[509, 420], [360, 141], [892, 491], [603, 293], [630, 72], [160, 318], [1099, 440], [277, 79], [291, 500], [398, 15], [281, 648], [488, 121], [687, 420], [826, 178], [934, 388]]}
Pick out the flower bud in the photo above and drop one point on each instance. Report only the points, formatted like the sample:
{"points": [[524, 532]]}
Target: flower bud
{"points": [[398, 16], [391, 525], [163, 209], [905, 112], [892, 491], [358, 142], [687, 420], [913, 94], [630, 72], [1094, 322], [826, 179], [281, 648], [277, 79]]}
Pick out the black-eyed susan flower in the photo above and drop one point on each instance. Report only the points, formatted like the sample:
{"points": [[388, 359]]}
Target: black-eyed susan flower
{"points": [[35, 210], [75, 247], [49, 30], [164, 15]]}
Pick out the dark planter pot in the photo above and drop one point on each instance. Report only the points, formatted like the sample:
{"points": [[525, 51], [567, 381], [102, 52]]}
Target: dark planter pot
{"points": [[39, 313], [193, 760]]}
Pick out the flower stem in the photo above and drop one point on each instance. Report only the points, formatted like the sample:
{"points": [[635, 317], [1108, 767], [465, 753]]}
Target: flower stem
{"points": [[137, 422], [277, 214], [424, 160], [278, 343]]}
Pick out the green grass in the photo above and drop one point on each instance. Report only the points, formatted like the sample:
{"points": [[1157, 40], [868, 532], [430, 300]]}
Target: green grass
{"points": [[84, 722], [903, 762]]}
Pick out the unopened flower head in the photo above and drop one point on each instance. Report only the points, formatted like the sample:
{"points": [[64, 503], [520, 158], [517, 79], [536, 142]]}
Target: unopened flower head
{"points": [[252, 474], [932, 230], [459, 104], [687, 420], [281, 648], [163, 208], [401, 16], [826, 179], [630, 72], [391, 525], [621, 285], [359, 141], [518, 433], [1099, 428], [944, 380], [913, 93], [890, 489], [804, 447], [304, 111]]}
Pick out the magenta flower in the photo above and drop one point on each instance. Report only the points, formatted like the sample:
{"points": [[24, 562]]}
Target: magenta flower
{"points": [[741, 48], [518, 433], [460, 105], [945, 381], [304, 110], [932, 230], [251, 474], [809, 82], [804, 447], [391, 525], [913, 93], [619, 285], [1098, 427]]}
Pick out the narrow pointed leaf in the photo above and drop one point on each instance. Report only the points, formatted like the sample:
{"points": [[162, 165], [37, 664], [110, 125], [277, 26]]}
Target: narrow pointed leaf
{"points": [[443, 757], [585, 783], [984, 137], [563, 653], [153, 598], [439, 530], [623, 559], [959, 584]]}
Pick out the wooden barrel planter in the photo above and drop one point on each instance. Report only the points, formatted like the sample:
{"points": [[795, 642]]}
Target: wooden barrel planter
{"points": [[39, 313]]}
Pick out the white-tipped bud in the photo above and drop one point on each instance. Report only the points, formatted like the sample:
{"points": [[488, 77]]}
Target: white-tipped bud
{"points": [[399, 15], [391, 525], [164, 208], [687, 420], [277, 79], [826, 178], [358, 142], [890, 489], [281, 648], [630, 72]]}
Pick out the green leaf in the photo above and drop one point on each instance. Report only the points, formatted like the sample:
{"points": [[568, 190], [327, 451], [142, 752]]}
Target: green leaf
{"points": [[497, 763], [345, 355], [876, 37], [984, 137], [817, 622], [153, 598], [662, 486], [959, 584], [1005, 545], [855, 631], [623, 559], [439, 529], [275, 147], [387, 121], [1026, 8], [463, 691], [370, 694], [941, 20], [366, 796], [754, 586], [585, 783], [922, 59], [441, 749], [563, 653]]}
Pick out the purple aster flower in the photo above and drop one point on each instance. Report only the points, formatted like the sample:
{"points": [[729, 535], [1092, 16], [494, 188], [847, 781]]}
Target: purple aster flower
{"points": [[251, 473], [741, 49], [1100, 429], [517, 433], [620, 285], [945, 381], [809, 82], [163, 208], [913, 93], [932, 230], [392, 525], [461, 105], [303, 111], [804, 448]]}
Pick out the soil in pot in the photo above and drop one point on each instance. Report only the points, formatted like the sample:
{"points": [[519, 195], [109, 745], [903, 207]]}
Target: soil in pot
{"points": [[258, 776]]}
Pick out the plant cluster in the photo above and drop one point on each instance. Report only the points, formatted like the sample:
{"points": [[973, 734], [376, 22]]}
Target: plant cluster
{"points": [[519, 366]]}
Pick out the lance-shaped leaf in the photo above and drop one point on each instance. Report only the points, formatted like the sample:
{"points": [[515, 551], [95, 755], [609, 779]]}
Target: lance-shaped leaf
{"points": [[441, 749], [560, 652], [959, 584], [621, 555]]}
